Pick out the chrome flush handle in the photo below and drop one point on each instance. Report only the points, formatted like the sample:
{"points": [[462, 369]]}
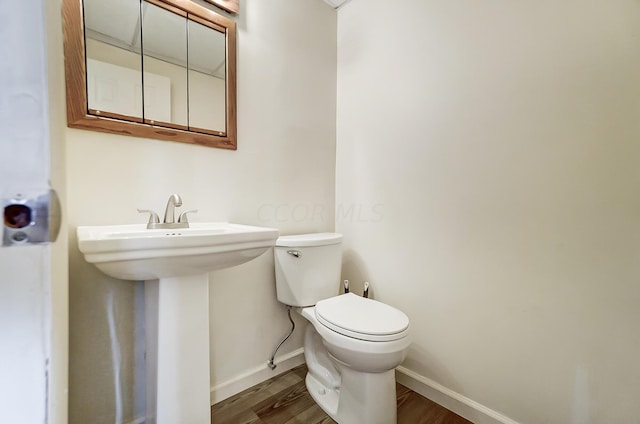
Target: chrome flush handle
{"points": [[295, 253]]}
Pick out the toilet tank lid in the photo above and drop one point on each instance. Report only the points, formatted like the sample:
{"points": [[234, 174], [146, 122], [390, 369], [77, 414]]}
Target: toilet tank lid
{"points": [[315, 239]]}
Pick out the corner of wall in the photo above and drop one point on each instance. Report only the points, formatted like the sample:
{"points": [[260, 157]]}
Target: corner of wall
{"points": [[256, 375]]}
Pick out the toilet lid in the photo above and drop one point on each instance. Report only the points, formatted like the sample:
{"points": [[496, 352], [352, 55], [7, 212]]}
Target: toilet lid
{"points": [[361, 318]]}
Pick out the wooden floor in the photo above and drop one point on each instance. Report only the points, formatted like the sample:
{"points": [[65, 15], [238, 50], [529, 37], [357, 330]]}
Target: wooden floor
{"points": [[284, 400]]}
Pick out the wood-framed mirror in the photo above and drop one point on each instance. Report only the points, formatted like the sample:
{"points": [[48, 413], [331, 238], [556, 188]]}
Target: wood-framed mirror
{"points": [[231, 6], [162, 69]]}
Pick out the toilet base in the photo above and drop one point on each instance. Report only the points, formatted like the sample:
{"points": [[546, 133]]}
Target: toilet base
{"points": [[363, 398], [326, 398]]}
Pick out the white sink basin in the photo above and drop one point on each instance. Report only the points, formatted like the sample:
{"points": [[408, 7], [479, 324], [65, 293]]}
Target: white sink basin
{"points": [[132, 252]]}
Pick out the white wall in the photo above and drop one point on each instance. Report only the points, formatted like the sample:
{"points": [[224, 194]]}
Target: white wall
{"points": [[282, 175], [493, 149]]}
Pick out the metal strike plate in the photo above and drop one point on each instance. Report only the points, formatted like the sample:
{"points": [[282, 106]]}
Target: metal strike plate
{"points": [[31, 218]]}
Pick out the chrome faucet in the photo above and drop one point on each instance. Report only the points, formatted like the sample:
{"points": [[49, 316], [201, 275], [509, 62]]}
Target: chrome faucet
{"points": [[175, 201]]}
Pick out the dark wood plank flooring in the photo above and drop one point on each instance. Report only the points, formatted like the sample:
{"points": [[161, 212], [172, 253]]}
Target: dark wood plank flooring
{"points": [[284, 400]]}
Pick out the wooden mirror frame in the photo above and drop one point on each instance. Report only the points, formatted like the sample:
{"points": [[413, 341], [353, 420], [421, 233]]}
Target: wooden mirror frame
{"points": [[76, 82], [228, 5]]}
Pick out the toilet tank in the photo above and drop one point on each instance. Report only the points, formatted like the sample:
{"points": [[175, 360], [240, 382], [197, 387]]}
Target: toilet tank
{"points": [[308, 268]]}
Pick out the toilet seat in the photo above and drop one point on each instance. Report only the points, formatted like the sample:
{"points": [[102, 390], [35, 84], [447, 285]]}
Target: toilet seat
{"points": [[361, 318]]}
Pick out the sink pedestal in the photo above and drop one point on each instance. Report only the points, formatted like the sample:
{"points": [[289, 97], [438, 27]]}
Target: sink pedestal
{"points": [[177, 333], [175, 264]]}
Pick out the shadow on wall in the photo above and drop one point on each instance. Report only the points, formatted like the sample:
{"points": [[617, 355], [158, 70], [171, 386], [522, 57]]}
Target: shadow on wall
{"points": [[354, 270], [453, 395], [419, 358], [430, 367], [106, 365]]}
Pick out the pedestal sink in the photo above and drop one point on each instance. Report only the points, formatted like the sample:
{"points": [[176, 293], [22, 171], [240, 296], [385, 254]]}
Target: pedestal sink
{"points": [[174, 263]]}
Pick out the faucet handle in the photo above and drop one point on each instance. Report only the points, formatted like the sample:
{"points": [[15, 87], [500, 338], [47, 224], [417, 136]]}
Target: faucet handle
{"points": [[183, 216], [153, 217]]}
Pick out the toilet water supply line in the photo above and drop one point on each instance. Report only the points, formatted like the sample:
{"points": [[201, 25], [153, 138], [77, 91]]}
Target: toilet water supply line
{"points": [[271, 362]]}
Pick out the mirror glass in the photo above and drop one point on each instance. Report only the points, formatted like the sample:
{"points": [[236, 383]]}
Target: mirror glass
{"points": [[207, 88], [164, 48], [112, 40], [182, 67]]}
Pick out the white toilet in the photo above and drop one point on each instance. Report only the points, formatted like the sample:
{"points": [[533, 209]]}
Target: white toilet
{"points": [[354, 344]]}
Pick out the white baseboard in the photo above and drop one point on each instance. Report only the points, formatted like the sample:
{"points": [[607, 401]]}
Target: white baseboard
{"points": [[255, 376], [453, 401]]}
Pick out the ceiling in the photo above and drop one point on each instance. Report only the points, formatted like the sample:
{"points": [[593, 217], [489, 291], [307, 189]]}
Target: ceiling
{"points": [[335, 3]]}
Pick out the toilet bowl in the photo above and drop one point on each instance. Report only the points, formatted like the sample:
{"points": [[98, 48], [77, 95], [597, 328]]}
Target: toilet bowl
{"points": [[359, 384], [352, 344]]}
